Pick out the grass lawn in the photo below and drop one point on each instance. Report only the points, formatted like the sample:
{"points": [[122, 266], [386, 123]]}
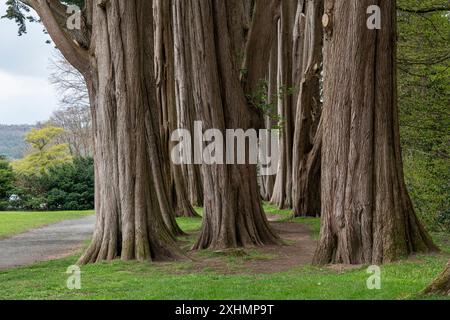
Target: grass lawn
{"points": [[286, 215], [185, 280], [12, 223]]}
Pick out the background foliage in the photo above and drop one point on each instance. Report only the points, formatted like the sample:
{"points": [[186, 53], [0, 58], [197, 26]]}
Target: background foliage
{"points": [[424, 99], [12, 144], [7, 179], [44, 153], [48, 177], [67, 186]]}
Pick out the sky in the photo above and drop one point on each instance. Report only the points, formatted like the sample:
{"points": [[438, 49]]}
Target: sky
{"points": [[26, 95]]}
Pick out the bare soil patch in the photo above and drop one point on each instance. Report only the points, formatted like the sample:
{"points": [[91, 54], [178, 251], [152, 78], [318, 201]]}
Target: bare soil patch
{"points": [[297, 251]]}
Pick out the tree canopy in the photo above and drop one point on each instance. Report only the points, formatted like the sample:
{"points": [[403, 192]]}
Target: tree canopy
{"points": [[7, 178], [44, 152]]}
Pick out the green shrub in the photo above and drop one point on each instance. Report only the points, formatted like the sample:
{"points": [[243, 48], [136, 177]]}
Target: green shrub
{"points": [[6, 182], [428, 181], [69, 186]]}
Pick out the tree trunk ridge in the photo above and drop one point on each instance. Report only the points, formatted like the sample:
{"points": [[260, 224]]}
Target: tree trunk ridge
{"points": [[307, 137], [233, 215], [135, 219], [367, 215], [442, 283]]}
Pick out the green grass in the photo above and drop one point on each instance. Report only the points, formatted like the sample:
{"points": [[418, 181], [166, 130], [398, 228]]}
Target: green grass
{"points": [[286, 215], [312, 223], [12, 223], [189, 224], [131, 280], [273, 210], [185, 280]]}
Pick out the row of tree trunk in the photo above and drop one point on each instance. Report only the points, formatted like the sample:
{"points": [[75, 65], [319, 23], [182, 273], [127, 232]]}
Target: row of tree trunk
{"points": [[367, 215], [295, 81], [186, 66], [154, 66], [343, 163]]}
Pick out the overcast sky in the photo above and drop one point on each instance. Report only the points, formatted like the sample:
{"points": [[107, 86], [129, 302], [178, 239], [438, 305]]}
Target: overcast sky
{"points": [[26, 96]]}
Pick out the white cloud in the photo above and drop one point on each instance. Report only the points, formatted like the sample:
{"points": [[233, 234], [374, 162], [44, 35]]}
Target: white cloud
{"points": [[12, 86], [25, 55], [25, 94], [25, 99]]}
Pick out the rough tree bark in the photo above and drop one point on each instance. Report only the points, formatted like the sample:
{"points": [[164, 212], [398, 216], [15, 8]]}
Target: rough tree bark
{"points": [[442, 283], [367, 215], [307, 183], [117, 62], [166, 99], [306, 148], [268, 182], [186, 108], [282, 194], [233, 213]]}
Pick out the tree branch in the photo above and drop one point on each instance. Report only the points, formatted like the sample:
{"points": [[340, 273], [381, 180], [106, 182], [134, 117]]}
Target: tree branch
{"points": [[81, 36], [430, 62], [261, 36], [72, 43], [425, 10]]}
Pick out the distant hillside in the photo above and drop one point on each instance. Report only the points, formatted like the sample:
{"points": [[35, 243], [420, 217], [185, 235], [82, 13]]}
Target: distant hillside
{"points": [[11, 140]]}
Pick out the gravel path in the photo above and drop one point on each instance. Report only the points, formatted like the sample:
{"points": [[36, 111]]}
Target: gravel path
{"points": [[45, 243]]}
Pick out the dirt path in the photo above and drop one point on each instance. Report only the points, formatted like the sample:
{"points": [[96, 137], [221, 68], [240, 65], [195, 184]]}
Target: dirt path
{"points": [[60, 239], [298, 251], [46, 243]]}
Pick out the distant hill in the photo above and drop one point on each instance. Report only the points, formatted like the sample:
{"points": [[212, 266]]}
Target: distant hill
{"points": [[11, 140]]}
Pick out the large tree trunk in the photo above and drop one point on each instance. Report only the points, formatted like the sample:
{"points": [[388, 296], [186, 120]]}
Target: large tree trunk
{"points": [[268, 181], [233, 213], [131, 198], [306, 150], [307, 187], [166, 99], [186, 108], [282, 194], [367, 215], [442, 283]]}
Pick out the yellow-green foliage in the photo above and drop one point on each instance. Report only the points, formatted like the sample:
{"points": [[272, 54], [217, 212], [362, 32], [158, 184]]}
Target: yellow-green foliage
{"points": [[45, 151]]}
